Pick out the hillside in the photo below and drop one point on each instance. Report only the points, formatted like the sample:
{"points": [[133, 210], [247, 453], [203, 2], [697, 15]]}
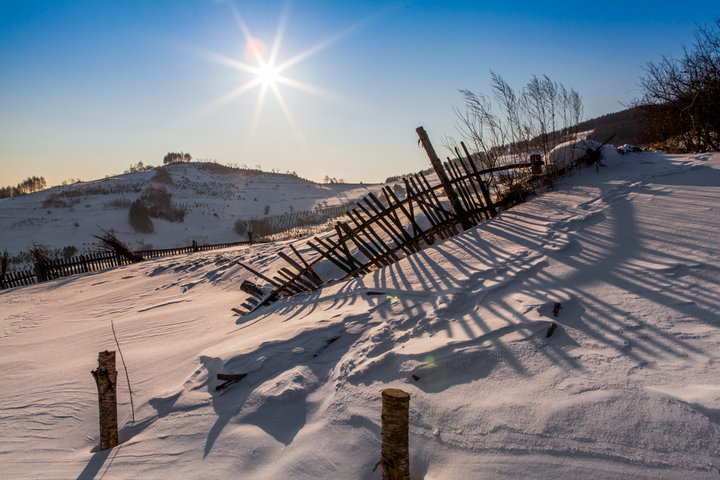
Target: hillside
{"points": [[626, 125], [625, 260], [213, 197]]}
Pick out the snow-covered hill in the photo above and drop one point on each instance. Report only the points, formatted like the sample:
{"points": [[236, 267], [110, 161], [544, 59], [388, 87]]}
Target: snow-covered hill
{"points": [[213, 197], [626, 387]]}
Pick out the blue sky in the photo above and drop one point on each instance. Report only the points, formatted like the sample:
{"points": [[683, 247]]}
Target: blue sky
{"points": [[89, 87]]}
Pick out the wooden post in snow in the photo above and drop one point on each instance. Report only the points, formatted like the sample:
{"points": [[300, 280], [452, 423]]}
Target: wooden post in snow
{"points": [[437, 166], [106, 379], [395, 454]]}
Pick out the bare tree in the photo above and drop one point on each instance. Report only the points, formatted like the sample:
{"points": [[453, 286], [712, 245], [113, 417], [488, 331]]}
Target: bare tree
{"points": [[681, 97]]}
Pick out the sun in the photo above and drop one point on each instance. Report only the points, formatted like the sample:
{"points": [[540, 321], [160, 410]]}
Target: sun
{"points": [[266, 72], [269, 75]]}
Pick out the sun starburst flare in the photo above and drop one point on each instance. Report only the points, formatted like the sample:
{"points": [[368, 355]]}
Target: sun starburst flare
{"points": [[266, 72]]}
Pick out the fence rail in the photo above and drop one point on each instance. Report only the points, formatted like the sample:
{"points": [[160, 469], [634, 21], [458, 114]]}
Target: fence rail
{"points": [[94, 261]]}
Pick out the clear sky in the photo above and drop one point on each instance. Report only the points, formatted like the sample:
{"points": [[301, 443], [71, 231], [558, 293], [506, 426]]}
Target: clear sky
{"points": [[89, 87]]}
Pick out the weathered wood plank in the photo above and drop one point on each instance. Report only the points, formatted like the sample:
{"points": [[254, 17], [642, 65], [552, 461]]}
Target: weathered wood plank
{"points": [[481, 182]]}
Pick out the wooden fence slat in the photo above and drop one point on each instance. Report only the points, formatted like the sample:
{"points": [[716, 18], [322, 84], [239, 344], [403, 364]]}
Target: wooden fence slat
{"points": [[370, 251], [324, 254], [390, 212], [313, 276], [332, 251], [461, 185], [298, 281], [301, 271], [391, 197], [416, 193], [374, 218], [369, 232], [365, 249], [344, 248], [387, 226], [470, 207], [478, 195], [481, 182], [435, 200]]}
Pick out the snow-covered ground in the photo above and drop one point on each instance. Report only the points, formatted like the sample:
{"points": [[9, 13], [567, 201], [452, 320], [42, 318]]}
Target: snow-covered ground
{"points": [[214, 198], [626, 387]]}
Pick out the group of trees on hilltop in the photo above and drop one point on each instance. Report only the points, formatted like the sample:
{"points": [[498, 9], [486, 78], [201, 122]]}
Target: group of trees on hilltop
{"points": [[329, 179], [681, 97], [174, 157], [29, 185]]}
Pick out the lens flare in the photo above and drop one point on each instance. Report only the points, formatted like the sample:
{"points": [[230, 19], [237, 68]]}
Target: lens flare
{"points": [[255, 50]]}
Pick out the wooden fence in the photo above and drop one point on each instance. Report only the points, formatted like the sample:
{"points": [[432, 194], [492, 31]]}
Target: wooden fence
{"points": [[93, 262], [381, 231]]}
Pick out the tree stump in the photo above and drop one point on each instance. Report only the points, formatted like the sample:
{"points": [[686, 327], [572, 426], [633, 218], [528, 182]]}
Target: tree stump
{"points": [[106, 379], [395, 455]]}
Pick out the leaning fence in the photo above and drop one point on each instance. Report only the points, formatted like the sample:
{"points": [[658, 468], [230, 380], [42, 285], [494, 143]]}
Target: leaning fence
{"points": [[381, 230]]}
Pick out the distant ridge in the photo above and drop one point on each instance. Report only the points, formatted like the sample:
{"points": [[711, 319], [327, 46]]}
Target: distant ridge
{"points": [[627, 125]]}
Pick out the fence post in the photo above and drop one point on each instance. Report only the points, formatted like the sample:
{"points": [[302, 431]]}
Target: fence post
{"points": [[395, 455], [447, 186], [536, 164], [106, 379], [40, 272]]}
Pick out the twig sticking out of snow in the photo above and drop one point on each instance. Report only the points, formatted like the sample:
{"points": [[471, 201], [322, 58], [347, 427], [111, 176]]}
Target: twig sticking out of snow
{"points": [[127, 377]]}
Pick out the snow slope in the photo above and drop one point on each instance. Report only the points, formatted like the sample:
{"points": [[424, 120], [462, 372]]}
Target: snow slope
{"points": [[214, 198], [626, 387]]}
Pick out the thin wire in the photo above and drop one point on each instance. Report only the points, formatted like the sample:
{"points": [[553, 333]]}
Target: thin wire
{"points": [[132, 405]]}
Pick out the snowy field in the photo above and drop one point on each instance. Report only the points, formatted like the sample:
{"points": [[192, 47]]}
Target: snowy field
{"points": [[213, 197], [626, 387]]}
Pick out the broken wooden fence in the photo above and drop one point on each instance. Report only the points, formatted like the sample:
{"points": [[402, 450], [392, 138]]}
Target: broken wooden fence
{"points": [[380, 231], [94, 261]]}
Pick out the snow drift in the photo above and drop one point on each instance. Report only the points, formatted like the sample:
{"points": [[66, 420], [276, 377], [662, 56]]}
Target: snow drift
{"points": [[627, 385]]}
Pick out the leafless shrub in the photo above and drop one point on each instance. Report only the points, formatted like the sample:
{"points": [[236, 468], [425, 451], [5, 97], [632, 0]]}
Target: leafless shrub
{"points": [[260, 227], [118, 203], [159, 204], [240, 227], [531, 121], [68, 251], [40, 254], [43, 261], [56, 201], [110, 243], [139, 217]]}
